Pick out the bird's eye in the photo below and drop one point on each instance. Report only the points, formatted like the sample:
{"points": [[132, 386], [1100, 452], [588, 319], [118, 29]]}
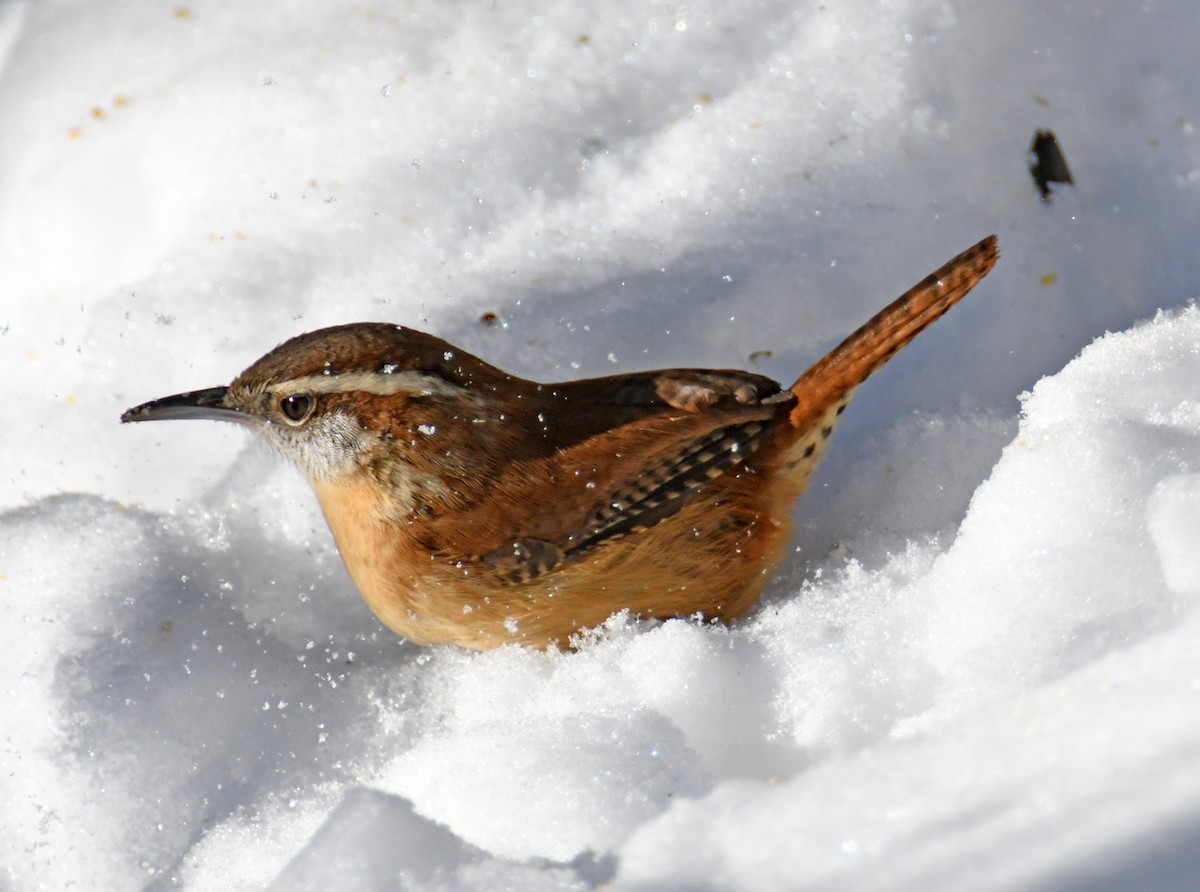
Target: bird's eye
{"points": [[296, 408]]}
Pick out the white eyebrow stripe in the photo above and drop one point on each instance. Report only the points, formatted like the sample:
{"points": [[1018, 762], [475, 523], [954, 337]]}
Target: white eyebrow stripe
{"points": [[411, 383]]}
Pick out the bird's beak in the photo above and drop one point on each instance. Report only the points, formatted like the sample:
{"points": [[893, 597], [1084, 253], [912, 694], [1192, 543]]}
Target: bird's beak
{"points": [[206, 404]]}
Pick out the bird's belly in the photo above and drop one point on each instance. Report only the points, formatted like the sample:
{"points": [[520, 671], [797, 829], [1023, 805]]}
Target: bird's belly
{"points": [[712, 559]]}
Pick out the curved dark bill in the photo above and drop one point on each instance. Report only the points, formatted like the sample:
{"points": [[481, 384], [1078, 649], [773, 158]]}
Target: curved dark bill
{"points": [[206, 404]]}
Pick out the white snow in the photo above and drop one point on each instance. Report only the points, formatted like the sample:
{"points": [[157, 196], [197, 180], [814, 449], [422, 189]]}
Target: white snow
{"points": [[980, 669]]}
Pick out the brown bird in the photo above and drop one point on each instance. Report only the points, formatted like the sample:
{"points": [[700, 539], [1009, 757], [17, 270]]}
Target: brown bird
{"points": [[477, 508]]}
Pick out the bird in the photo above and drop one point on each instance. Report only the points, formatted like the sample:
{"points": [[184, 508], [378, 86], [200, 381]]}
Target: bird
{"points": [[476, 508]]}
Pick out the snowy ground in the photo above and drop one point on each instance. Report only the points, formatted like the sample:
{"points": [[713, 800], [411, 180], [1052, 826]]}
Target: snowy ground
{"points": [[981, 669]]}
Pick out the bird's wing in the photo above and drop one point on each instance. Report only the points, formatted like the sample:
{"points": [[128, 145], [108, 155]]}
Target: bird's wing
{"points": [[672, 432]]}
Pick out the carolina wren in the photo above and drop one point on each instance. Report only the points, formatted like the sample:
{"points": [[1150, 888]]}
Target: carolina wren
{"points": [[476, 508]]}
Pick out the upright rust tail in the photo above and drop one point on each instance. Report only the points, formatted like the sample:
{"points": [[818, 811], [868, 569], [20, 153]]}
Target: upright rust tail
{"points": [[830, 382]]}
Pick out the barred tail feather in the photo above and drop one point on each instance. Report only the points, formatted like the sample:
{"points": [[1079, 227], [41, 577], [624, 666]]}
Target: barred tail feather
{"points": [[829, 383]]}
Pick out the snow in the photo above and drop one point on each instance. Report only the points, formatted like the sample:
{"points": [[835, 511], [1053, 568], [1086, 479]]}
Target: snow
{"points": [[981, 667]]}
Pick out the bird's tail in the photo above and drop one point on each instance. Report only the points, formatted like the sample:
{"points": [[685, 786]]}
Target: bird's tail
{"points": [[829, 383], [824, 390]]}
